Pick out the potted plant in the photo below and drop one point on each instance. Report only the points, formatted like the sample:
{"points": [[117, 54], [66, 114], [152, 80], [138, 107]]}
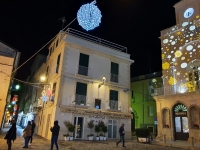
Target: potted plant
{"points": [[101, 125], [143, 135], [166, 126], [97, 130], [196, 126], [105, 130], [71, 128], [82, 102], [91, 126], [66, 137]]}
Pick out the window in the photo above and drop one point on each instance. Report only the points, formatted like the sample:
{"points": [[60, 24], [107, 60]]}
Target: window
{"points": [[81, 91], [83, 64], [150, 111], [97, 104], [53, 92], [114, 72], [112, 129], [58, 63], [113, 99]]}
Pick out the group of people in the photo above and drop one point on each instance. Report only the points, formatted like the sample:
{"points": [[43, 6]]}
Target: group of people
{"points": [[29, 130], [27, 134]]}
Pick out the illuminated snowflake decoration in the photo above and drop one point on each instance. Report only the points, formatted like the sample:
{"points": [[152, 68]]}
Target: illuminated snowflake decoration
{"points": [[89, 16]]}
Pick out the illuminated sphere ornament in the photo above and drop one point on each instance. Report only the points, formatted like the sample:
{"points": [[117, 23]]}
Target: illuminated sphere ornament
{"points": [[89, 16]]}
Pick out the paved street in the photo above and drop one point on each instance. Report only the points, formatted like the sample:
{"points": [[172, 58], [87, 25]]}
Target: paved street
{"points": [[43, 144]]}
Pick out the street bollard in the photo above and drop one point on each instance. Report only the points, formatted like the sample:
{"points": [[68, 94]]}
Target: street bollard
{"points": [[164, 140]]}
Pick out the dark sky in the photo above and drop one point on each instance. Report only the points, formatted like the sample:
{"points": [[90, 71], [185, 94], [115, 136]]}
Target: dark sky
{"points": [[27, 25]]}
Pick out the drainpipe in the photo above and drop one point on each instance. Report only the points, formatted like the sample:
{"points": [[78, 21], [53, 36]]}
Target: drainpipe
{"points": [[143, 102]]}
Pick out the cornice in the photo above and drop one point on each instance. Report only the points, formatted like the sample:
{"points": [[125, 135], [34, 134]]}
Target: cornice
{"points": [[95, 112]]}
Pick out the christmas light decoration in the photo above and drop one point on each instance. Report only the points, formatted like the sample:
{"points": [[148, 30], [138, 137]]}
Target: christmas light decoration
{"points": [[89, 16]]}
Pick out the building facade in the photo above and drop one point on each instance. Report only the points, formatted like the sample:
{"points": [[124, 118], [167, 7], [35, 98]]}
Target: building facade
{"points": [[89, 79], [142, 101], [9, 59], [31, 92], [178, 100]]}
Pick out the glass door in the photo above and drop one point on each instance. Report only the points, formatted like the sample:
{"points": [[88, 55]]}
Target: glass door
{"points": [[181, 128], [112, 129], [78, 122]]}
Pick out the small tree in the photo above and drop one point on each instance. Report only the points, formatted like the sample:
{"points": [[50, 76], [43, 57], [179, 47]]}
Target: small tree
{"points": [[101, 125], [97, 129], [70, 126], [91, 126], [105, 130]]}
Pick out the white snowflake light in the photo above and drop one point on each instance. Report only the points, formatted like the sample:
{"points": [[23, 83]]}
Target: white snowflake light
{"points": [[89, 16]]}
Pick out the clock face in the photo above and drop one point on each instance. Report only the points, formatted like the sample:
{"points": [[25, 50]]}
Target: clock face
{"points": [[188, 12]]}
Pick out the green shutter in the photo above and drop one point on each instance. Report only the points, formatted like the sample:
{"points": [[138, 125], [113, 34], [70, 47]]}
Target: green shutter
{"points": [[113, 95], [81, 88], [84, 59], [114, 68]]}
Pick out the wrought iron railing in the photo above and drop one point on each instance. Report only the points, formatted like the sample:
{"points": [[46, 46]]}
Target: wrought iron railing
{"points": [[114, 78], [97, 40], [82, 70], [113, 104], [75, 99], [176, 89]]}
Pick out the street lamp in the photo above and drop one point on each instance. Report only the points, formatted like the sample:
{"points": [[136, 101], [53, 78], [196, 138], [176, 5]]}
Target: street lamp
{"points": [[103, 81], [42, 78]]}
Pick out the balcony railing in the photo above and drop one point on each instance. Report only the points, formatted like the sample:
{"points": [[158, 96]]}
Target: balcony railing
{"points": [[82, 70], [75, 99], [114, 78], [176, 89], [113, 104], [97, 40]]}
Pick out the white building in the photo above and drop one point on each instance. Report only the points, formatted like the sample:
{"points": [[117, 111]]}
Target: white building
{"points": [[9, 59], [76, 64]]}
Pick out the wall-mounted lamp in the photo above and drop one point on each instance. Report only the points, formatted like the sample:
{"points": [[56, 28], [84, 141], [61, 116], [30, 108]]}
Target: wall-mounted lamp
{"points": [[125, 90], [103, 81]]}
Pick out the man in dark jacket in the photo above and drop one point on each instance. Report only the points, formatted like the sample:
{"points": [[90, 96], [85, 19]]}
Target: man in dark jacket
{"points": [[11, 134], [55, 132], [32, 130], [121, 133]]}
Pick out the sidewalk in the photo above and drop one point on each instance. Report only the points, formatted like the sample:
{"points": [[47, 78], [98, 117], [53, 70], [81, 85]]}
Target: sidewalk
{"points": [[40, 143], [178, 144]]}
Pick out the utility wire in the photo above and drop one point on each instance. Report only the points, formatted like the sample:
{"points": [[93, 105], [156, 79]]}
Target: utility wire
{"points": [[41, 48]]}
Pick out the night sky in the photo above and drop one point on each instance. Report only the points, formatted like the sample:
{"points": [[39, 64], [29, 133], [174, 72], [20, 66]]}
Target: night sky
{"points": [[27, 25]]}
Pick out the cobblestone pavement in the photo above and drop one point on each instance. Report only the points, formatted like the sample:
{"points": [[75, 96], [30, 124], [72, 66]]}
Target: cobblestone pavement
{"points": [[40, 143]]}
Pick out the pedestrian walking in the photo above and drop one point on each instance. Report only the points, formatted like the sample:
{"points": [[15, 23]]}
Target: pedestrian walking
{"points": [[11, 135], [121, 133], [27, 134], [55, 132], [32, 131]]}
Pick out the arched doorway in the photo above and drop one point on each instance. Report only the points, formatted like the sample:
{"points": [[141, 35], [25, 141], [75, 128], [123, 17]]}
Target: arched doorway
{"points": [[181, 128]]}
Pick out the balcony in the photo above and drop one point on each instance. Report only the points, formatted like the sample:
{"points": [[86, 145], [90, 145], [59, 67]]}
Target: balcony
{"points": [[77, 100], [114, 78], [37, 105], [84, 71], [113, 105], [176, 89]]}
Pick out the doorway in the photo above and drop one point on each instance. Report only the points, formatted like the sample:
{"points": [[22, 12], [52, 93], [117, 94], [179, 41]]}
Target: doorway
{"points": [[78, 122], [181, 122]]}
